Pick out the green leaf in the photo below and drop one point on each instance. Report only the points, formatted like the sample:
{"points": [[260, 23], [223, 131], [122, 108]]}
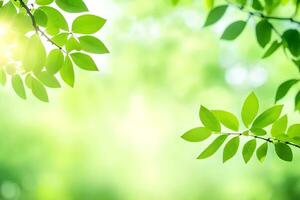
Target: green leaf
{"points": [[297, 102], [87, 24], [231, 148], [274, 46], [40, 17], [2, 77], [279, 127], [261, 152], [84, 61], [92, 44], [215, 15], [234, 30], [55, 61], [56, 20], [18, 86], [213, 147], [284, 88], [60, 39], [39, 90], [209, 120], [257, 5], [250, 109], [72, 6], [67, 72], [292, 41], [197, 134], [43, 2], [283, 151], [248, 150], [48, 79], [268, 117], [227, 119], [72, 44], [263, 32], [294, 131], [258, 131]]}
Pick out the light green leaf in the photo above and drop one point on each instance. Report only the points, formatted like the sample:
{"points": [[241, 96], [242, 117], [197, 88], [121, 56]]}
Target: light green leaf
{"points": [[60, 39], [87, 24], [213, 147], [268, 117], [56, 20], [279, 127], [84, 61], [294, 131], [92, 44], [72, 6], [250, 109], [284, 88], [67, 72], [39, 90], [40, 17], [233, 30], [72, 44], [228, 119], [55, 61], [209, 120], [258, 131], [215, 15], [231, 148], [248, 150], [197, 134], [261, 152], [2, 77], [48, 79], [283, 151], [18, 86], [43, 2]]}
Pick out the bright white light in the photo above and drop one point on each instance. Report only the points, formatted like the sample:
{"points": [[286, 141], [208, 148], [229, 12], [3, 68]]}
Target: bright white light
{"points": [[236, 76], [257, 76], [3, 30]]}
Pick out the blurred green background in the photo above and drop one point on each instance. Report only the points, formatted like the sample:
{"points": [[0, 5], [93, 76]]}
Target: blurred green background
{"points": [[116, 136]]}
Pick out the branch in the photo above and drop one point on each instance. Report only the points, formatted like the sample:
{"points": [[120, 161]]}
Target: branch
{"points": [[261, 15], [36, 27], [270, 140]]}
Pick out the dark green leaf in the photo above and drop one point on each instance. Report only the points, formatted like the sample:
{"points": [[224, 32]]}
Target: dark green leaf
{"points": [[257, 5], [233, 30], [263, 32], [274, 46], [215, 15], [283, 151], [297, 102], [292, 40], [284, 88]]}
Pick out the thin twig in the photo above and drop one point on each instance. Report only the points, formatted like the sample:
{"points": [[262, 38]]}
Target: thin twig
{"points": [[36, 27], [270, 140]]}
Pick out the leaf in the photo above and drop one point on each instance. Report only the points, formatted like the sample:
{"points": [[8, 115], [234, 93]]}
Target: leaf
{"points": [[56, 20], [60, 39], [209, 120], [215, 15], [55, 61], [39, 90], [2, 77], [250, 109], [67, 72], [18, 86], [263, 32], [40, 17], [279, 127], [43, 2], [87, 24], [257, 5], [213, 147], [92, 44], [197, 134], [261, 152], [292, 40], [233, 30], [258, 131], [248, 150], [227, 119], [48, 79], [231, 148], [283, 151], [274, 46], [284, 88], [84, 61], [72, 6], [297, 102], [72, 44], [268, 117], [294, 131]]}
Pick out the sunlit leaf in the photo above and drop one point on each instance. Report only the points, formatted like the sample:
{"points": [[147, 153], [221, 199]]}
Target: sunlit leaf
{"points": [[268, 117], [67, 72], [39, 90], [279, 127], [48, 79], [248, 150], [55, 61], [18, 86], [250, 109], [261, 152], [215, 15], [92, 44], [72, 6], [197, 134], [233, 30], [294, 131], [213, 147], [84, 61], [209, 120], [231, 148], [227, 119], [87, 24], [258, 131]]}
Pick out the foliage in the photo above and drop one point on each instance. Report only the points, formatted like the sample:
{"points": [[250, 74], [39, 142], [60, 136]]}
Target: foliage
{"points": [[27, 61], [269, 127]]}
